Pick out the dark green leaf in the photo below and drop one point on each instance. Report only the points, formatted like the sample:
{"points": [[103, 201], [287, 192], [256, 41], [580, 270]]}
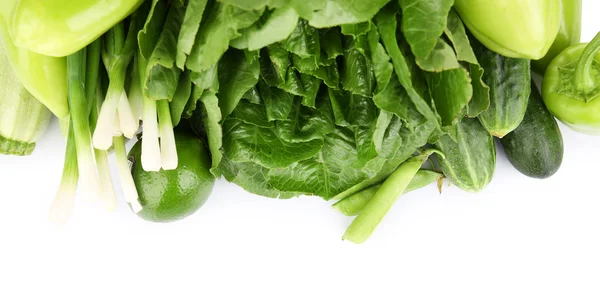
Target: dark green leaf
{"points": [[356, 29], [276, 27], [243, 142], [162, 76], [423, 22], [236, 76], [148, 36], [181, 98], [212, 40], [211, 118], [189, 29], [451, 91], [278, 103], [441, 58]]}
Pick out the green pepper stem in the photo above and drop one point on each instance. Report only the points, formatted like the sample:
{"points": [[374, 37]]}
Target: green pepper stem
{"points": [[584, 81]]}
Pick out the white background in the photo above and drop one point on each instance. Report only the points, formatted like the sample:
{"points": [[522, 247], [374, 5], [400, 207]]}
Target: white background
{"points": [[516, 229]]}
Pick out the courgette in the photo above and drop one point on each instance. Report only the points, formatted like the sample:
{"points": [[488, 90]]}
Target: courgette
{"points": [[535, 148], [509, 80], [470, 162]]}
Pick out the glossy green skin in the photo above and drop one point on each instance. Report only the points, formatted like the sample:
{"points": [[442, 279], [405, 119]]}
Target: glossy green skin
{"points": [[61, 27], [535, 148], [509, 80], [568, 35], [43, 76], [168, 196], [470, 163], [581, 116], [513, 28], [352, 205]]}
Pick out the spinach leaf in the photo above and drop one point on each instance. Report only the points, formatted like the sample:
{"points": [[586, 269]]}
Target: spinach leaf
{"points": [[181, 98], [273, 27], [189, 28], [212, 40], [162, 77], [423, 22], [211, 118], [243, 142], [451, 91], [236, 77], [339, 12]]}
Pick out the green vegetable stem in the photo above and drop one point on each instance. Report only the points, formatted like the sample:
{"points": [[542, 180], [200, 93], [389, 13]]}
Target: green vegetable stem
{"points": [[513, 28], [116, 116], [373, 212], [352, 205], [569, 34], [81, 125], [570, 87]]}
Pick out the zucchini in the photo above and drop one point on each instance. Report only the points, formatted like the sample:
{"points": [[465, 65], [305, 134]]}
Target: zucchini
{"points": [[509, 80], [535, 148], [470, 162]]}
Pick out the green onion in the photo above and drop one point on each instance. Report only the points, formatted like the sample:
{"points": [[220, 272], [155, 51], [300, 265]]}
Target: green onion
{"points": [[81, 126], [168, 149], [127, 183], [62, 205]]}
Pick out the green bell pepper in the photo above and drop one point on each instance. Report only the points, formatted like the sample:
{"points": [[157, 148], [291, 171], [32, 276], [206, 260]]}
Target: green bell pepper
{"points": [[61, 27], [571, 87], [43, 76], [569, 34], [513, 28]]}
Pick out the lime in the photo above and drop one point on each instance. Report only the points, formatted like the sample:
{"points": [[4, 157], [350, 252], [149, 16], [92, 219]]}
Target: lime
{"points": [[172, 195]]}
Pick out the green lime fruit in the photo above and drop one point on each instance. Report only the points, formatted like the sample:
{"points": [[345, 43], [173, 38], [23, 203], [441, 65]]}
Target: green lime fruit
{"points": [[172, 195]]}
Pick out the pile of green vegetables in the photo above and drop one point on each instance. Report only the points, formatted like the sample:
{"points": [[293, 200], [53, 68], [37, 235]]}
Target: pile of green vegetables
{"points": [[345, 100]]}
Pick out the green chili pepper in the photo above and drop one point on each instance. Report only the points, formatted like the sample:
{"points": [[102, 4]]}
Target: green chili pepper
{"points": [[513, 28], [43, 76], [62, 27], [569, 34], [571, 87]]}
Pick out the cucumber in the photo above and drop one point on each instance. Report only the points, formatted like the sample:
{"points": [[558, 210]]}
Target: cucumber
{"points": [[509, 80], [535, 148], [470, 162]]}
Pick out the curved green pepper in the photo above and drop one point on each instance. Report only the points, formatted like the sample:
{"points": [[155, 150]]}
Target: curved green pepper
{"points": [[43, 76], [513, 28], [569, 34], [571, 87], [61, 27]]}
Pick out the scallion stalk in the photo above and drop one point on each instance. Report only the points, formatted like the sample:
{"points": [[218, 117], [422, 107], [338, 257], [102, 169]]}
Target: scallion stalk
{"points": [[168, 149], [62, 205], [127, 183], [81, 127]]}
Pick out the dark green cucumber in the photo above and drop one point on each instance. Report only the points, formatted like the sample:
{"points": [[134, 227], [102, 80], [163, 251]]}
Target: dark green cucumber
{"points": [[535, 148], [470, 163], [509, 80]]}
